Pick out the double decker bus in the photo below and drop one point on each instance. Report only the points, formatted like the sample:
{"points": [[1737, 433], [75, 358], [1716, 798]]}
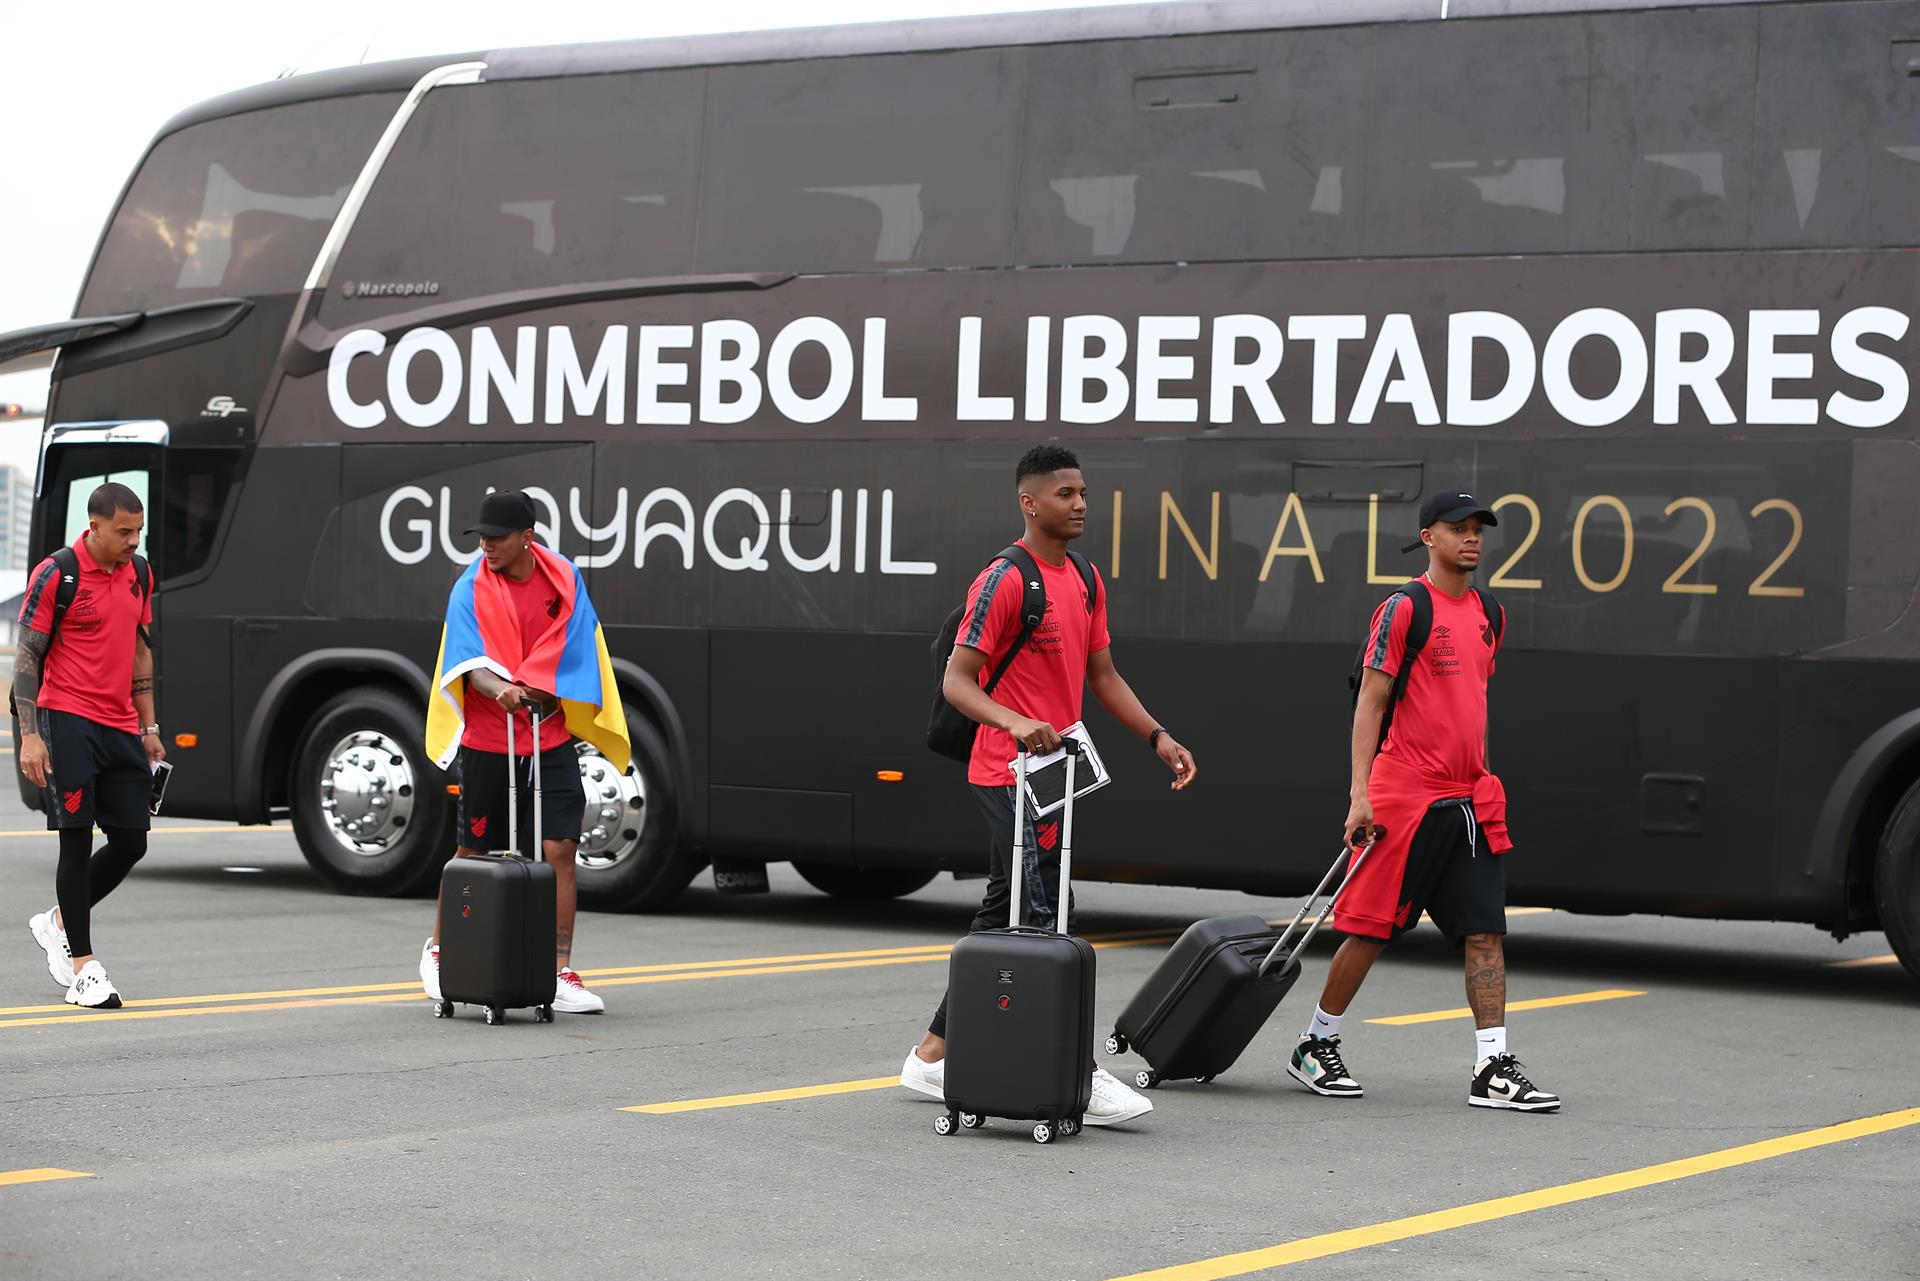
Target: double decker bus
{"points": [[762, 321]]}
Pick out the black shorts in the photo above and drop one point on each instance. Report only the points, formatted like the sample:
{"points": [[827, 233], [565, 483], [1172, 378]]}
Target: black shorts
{"points": [[1453, 877], [99, 774], [483, 798]]}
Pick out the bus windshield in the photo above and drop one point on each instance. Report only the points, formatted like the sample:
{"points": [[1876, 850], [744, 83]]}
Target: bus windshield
{"points": [[234, 207]]}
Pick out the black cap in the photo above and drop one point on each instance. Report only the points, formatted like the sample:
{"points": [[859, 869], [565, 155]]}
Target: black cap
{"points": [[1447, 506], [503, 513]]}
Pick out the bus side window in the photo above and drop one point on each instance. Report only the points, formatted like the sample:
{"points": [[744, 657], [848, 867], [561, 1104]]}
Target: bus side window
{"points": [[197, 485]]}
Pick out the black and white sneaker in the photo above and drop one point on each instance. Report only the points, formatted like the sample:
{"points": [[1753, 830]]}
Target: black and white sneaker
{"points": [[91, 989], [1316, 1064], [1498, 1082]]}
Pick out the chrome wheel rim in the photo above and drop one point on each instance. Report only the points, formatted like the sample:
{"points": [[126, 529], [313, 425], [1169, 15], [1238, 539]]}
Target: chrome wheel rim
{"points": [[366, 792], [615, 822]]}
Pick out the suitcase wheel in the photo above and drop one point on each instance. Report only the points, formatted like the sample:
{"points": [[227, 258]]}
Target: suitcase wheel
{"points": [[972, 1120], [1146, 1079], [943, 1124], [1043, 1133], [495, 1014], [544, 1014], [1207, 1079], [1070, 1126], [443, 1009], [1116, 1044]]}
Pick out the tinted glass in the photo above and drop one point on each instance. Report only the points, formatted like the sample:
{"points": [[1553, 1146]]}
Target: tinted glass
{"points": [[1838, 129], [860, 163], [192, 502], [1676, 88], [1206, 148], [234, 207], [1484, 140], [527, 184]]}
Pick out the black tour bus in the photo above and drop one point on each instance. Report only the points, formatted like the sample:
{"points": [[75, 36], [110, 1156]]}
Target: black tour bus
{"points": [[764, 320]]}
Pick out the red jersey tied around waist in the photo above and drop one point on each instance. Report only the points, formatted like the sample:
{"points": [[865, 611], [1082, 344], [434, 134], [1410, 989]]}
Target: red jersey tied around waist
{"points": [[1435, 748]]}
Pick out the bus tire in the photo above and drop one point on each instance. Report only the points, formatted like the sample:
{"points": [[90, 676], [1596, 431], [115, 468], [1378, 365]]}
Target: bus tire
{"points": [[864, 883], [1896, 880], [630, 857], [370, 812]]}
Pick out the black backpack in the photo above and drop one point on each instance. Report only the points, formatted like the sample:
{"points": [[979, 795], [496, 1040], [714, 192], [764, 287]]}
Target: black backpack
{"points": [[67, 562], [950, 731], [1420, 598]]}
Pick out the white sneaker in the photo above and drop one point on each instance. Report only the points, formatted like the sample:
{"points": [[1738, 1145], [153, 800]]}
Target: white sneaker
{"points": [[923, 1077], [430, 968], [570, 995], [1112, 1102], [91, 990], [53, 940]]}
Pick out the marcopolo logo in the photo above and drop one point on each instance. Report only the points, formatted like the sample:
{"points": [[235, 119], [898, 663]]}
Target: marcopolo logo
{"points": [[1591, 367]]}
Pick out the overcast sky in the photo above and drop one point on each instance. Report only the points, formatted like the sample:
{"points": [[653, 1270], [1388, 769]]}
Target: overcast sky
{"points": [[86, 86]]}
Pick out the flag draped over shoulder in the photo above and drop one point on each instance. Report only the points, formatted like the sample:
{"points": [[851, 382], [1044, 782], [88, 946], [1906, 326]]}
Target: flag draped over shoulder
{"points": [[569, 659]]}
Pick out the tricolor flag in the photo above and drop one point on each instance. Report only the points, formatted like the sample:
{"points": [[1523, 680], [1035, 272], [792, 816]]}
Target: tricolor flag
{"points": [[569, 659]]}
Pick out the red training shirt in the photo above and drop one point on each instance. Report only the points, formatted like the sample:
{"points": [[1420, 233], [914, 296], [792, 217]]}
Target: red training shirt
{"points": [[89, 668], [1048, 676], [1440, 724], [536, 604]]}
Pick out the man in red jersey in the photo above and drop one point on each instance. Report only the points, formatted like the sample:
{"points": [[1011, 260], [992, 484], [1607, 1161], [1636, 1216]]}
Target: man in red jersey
{"points": [[1038, 693], [83, 689], [507, 541], [1438, 813]]}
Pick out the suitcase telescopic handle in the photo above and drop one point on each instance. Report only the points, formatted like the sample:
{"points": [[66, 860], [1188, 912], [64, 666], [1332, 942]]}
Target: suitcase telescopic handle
{"points": [[1351, 861], [513, 786], [1017, 873]]}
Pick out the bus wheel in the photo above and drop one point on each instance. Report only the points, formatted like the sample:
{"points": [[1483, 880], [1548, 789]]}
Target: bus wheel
{"points": [[629, 854], [368, 809], [1896, 880], [863, 882]]}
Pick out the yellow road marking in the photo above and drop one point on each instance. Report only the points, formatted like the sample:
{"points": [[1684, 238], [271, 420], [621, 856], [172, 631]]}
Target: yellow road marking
{"points": [[168, 831], [10, 1177], [1858, 961], [1320, 1247], [1541, 1003], [768, 1096], [410, 991], [124, 1015]]}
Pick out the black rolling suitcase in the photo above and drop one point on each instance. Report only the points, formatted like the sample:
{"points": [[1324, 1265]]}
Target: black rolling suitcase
{"points": [[496, 918], [1020, 1009], [1215, 989]]}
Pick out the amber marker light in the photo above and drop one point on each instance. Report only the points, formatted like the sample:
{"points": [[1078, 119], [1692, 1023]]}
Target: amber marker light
{"points": [[186, 740], [889, 775], [453, 789]]}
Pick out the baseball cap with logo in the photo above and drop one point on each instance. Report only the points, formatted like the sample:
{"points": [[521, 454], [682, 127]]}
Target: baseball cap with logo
{"points": [[1447, 506], [502, 513]]}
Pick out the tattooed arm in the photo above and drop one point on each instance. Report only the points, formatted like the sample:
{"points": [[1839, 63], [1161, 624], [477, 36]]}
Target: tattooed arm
{"points": [[143, 696], [28, 659]]}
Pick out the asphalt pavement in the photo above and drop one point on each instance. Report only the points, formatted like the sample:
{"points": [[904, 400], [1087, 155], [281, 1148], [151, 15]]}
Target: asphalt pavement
{"points": [[1742, 1100]]}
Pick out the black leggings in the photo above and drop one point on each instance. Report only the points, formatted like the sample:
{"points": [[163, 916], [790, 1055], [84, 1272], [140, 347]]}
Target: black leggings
{"points": [[84, 878]]}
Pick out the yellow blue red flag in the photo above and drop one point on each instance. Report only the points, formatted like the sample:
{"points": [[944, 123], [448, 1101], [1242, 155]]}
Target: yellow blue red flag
{"points": [[569, 659]]}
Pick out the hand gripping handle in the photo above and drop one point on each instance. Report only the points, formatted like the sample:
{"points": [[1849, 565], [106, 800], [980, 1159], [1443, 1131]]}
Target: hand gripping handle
{"points": [[1017, 874], [1352, 862]]}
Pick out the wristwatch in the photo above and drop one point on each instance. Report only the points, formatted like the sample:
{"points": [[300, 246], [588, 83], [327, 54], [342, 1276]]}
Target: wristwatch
{"points": [[150, 729]]}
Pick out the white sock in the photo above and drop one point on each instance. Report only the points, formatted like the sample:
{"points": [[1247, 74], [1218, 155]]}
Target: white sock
{"points": [[1324, 1024], [1489, 1041]]}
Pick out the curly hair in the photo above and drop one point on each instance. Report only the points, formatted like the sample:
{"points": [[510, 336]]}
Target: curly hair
{"points": [[1044, 460]]}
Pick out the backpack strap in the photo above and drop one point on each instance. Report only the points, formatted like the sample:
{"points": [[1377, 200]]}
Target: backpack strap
{"points": [[1087, 576], [68, 566], [1033, 606], [1496, 618], [142, 574], [1419, 627]]}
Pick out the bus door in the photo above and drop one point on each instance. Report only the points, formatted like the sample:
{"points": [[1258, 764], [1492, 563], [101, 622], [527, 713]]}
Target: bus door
{"points": [[75, 460], [183, 494]]}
